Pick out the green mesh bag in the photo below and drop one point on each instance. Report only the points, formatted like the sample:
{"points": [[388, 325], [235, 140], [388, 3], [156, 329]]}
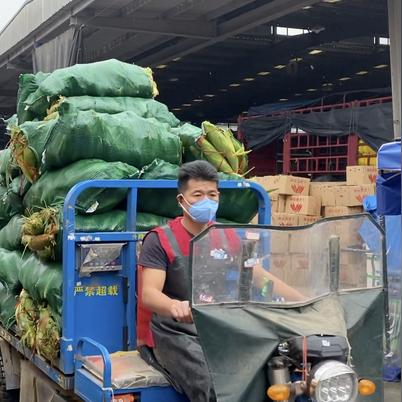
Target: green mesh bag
{"points": [[48, 329], [26, 316], [160, 202], [123, 137], [235, 205], [20, 185], [28, 84], [147, 108], [10, 205], [10, 235], [8, 303], [104, 78], [52, 187], [28, 142], [43, 281], [189, 134], [10, 264], [8, 167], [42, 231]]}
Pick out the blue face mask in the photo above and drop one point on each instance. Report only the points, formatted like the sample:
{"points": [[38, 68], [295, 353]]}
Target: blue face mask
{"points": [[202, 211]]}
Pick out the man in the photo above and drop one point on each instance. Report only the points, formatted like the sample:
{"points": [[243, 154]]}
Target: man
{"points": [[165, 282]]}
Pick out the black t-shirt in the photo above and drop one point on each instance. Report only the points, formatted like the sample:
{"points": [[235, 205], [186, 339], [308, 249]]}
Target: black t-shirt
{"points": [[152, 253]]}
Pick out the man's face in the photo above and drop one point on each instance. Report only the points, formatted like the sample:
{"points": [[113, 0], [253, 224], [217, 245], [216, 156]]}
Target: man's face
{"points": [[197, 190]]}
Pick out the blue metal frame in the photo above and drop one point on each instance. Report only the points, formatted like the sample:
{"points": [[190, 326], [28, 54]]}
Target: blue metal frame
{"points": [[71, 238]]}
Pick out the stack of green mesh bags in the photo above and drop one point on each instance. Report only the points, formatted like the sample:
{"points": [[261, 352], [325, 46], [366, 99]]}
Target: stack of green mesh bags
{"points": [[92, 121]]}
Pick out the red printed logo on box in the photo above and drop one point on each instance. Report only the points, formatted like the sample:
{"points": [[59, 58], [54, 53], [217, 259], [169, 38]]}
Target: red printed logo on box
{"points": [[372, 177], [278, 263], [297, 188], [296, 207], [302, 264]]}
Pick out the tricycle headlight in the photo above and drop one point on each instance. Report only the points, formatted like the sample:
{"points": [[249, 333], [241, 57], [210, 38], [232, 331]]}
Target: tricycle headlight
{"points": [[334, 381]]}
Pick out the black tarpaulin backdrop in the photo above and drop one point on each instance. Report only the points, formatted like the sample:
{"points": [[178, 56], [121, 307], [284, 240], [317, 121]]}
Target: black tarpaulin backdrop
{"points": [[372, 123]]}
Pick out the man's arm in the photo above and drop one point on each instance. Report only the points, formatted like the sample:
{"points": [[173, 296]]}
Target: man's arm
{"points": [[261, 276], [155, 300]]}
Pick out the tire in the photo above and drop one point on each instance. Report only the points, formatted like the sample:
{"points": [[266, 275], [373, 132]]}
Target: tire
{"points": [[6, 396]]}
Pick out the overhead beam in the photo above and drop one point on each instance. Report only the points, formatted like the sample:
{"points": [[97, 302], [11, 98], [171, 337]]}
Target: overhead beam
{"points": [[258, 16], [169, 27], [279, 53], [181, 8]]}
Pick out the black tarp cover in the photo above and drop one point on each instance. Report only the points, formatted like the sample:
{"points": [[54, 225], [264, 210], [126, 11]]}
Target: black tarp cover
{"points": [[372, 123], [237, 340]]}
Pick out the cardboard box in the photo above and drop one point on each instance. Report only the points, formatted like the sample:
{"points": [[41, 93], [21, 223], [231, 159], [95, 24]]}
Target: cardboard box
{"points": [[342, 211], [283, 219], [292, 185], [351, 196], [356, 175], [282, 203], [266, 182], [303, 205], [325, 191], [328, 196], [351, 277], [307, 219], [299, 241], [279, 241], [274, 206], [300, 262], [280, 266], [284, 184]]}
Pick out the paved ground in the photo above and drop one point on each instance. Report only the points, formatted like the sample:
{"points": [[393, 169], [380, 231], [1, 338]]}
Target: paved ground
{"points": [[392, 392]]}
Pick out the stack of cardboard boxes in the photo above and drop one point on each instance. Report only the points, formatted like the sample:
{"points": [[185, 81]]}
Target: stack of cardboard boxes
{"points": [[295, 201]]}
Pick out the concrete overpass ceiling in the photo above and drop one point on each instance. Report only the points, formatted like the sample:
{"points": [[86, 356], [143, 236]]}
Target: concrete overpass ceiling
{"points": [[214, 58]]}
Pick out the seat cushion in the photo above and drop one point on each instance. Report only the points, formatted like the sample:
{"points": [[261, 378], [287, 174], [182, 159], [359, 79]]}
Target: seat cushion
{"points": [[129, 370]]}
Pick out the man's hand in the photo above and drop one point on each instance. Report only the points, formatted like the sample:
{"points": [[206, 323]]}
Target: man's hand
{"points": [[181, 312]]}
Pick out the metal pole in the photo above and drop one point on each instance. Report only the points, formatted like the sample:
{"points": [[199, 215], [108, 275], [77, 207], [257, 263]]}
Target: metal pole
{"points": [[395, 22]]}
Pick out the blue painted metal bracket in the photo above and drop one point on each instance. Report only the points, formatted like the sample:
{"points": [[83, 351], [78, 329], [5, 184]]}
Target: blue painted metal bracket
{"points": [[107, 364]]}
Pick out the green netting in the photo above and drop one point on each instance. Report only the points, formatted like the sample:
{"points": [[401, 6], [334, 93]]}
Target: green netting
{"points": [[43, 281], [104, 78], [8, 302], [10, 205], [11, 122], [161, 202], [48, 330], [26, 316], [28, 142], [10, 264], [28, 84], [188, 135], [235, 205], [146, 108], [10, 235], [123, 137], [42, 231], [20, 185], [8, 168], [52, 187]]}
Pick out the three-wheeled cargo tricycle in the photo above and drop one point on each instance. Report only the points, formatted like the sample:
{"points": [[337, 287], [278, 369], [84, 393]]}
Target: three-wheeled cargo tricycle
{"points": [[324, 345]]}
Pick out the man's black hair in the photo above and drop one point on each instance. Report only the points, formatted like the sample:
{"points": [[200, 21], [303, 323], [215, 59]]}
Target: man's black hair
{"points": [[197, 170]]}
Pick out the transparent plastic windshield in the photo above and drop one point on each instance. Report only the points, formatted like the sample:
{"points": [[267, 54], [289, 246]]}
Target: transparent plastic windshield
{"points": [[241, 264]]}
